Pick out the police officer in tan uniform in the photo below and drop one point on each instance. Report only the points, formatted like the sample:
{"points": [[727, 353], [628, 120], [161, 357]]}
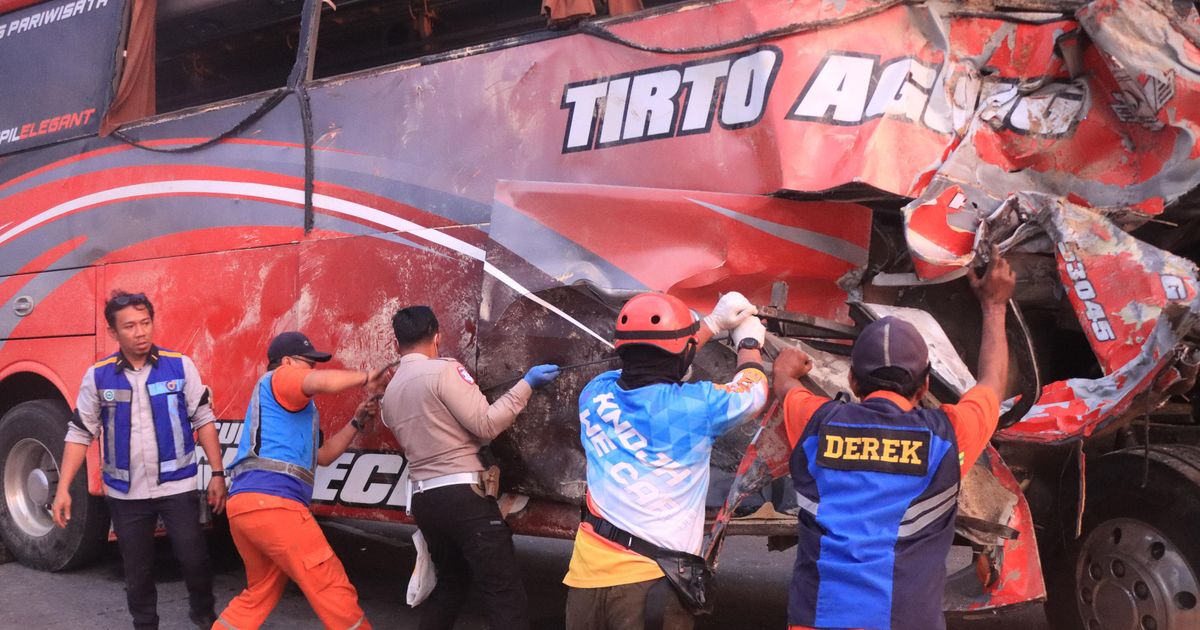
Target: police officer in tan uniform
{"points": [[441, 420]]}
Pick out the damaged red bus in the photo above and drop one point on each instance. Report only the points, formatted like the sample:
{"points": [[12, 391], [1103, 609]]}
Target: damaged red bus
{"points": [[259, 167]]}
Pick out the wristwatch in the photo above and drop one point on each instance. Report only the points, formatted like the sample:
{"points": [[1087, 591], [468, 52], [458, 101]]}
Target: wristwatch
{"points": [[356, 424], [749, 343], [218, 473]]}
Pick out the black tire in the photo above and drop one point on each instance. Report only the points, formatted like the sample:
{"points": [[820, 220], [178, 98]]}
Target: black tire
{"points": [[1137, 564], [33, 432]]}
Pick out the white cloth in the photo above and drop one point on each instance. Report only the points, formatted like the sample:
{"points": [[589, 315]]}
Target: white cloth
{"points": [[424, 577], [751, 328]]}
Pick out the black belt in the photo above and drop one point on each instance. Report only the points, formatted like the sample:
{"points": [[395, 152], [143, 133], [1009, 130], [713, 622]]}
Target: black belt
{"points": [[611, 532]]}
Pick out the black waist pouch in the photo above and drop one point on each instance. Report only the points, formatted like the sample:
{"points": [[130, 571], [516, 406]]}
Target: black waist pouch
{"points": [[689, 575]]}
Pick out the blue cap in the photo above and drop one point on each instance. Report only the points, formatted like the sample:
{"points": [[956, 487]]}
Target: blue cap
{"points": [[890, 343]]}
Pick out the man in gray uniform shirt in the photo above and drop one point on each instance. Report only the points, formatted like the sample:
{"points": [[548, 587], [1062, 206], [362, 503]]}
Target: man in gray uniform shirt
{"points": [[441, 420], [148, 401]]}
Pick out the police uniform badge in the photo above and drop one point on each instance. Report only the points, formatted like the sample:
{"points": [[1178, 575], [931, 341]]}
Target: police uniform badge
{"points": [[466, 376]]}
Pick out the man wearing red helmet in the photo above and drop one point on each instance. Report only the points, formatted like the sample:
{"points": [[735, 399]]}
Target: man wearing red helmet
{"points": [[648, 437]]}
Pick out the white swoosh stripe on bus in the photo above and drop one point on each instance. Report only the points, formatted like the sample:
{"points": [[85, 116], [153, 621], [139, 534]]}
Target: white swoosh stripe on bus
{"points": [[293, 196], [824, 243]]}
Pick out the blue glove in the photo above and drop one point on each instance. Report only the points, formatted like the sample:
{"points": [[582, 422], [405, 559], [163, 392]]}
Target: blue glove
{"points": [[540, 375]]}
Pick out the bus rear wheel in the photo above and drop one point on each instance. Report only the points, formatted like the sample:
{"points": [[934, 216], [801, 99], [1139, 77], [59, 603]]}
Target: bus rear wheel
{"points": [[31, 447], [1137, 566]]}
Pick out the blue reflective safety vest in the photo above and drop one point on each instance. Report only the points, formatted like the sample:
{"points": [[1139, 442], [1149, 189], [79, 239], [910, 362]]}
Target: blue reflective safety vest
{"points": [[168, 408], [272, 435], [878, 493]]}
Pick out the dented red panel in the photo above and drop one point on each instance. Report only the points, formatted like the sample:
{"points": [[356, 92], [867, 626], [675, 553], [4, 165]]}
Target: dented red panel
{"points": [[1135, 303], [1020, 578], [692, 244], [625, 162], [1105, 114]]}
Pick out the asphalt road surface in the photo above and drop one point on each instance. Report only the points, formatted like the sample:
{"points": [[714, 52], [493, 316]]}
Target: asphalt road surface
{"points": [[751, 593]]}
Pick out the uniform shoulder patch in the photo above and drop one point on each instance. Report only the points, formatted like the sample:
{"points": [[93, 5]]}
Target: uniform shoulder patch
{"points": [[466, 376], [873, 449]]}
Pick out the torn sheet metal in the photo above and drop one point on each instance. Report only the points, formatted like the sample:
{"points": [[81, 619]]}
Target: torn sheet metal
{"points": [[1020, 578], [1134, 302], [767, 455], [1100, 108], [691, 244]]}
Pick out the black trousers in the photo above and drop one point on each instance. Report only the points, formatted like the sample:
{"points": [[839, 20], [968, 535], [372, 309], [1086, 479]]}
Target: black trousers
{"points": [[468, 541], [134, 522]]}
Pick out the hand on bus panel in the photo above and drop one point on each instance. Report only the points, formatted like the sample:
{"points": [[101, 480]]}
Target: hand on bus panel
{"points": [[540, 375], [377, 380], [792, 363], [996, 285], [367, 411]]}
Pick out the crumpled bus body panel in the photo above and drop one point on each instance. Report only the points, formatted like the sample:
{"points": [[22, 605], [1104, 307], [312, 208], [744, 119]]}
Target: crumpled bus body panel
{"points": [[800, 152]]}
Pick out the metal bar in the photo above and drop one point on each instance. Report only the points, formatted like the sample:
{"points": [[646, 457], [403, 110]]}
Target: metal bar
{"points": [[298, 80], [561, 368], [809, 325]]}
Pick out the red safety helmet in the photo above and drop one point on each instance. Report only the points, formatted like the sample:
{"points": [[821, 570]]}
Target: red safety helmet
{"points": [[656, 319]]}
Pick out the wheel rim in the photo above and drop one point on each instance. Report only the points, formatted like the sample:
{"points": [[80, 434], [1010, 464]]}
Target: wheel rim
{"points": [[30, 478], [1132, 577]]}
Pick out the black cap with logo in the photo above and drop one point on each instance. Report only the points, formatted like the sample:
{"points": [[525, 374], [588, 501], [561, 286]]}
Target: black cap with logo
{"points": [[294, 344]]}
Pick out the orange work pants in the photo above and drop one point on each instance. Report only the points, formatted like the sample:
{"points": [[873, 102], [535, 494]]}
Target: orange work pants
{"points": [[279, 540]]}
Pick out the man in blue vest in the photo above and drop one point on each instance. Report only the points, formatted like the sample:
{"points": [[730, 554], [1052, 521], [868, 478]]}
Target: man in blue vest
{"points": [[145, 403], [278, 454], [877, 481]]}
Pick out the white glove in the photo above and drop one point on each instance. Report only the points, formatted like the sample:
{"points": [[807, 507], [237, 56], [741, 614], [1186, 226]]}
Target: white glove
{"points": [[752, 328], [732, 309]]}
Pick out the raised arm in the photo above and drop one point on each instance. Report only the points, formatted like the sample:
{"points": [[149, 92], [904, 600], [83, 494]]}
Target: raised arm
{"points": [[790, 366], [470, 407], [334, 381], [994, 290]]}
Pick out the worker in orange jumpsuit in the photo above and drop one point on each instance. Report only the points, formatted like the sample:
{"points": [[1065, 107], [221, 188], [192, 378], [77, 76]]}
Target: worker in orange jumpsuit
{"points": [[273, 483]]}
